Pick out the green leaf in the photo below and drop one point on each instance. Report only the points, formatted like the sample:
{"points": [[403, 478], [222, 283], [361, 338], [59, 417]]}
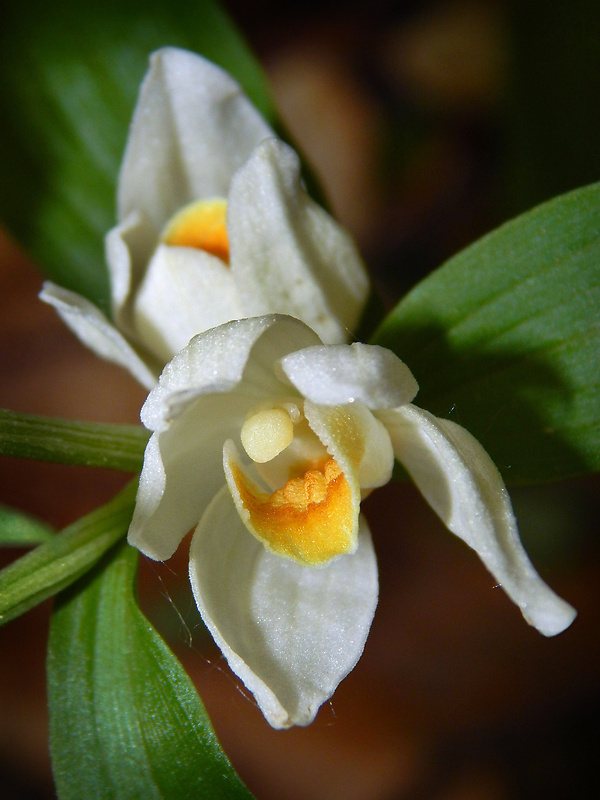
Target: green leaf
{"points": [[22, 530], [53, 566], [505, 340], [125, 720], [64, 441], [71, 74]]}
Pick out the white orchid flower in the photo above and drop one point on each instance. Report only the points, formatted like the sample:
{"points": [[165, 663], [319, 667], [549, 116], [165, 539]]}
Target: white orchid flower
{"points": [[214, 225], [264, 439]]}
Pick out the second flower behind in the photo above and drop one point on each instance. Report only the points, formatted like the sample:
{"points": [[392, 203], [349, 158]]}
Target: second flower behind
{"points": [[214, 225]]}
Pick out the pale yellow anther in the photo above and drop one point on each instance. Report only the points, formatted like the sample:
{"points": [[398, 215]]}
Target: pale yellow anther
{"points": [[266, 434]]}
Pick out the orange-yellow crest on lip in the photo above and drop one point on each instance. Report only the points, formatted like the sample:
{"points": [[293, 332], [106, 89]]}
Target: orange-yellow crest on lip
{"points": [[310, 519], [200, 225]]}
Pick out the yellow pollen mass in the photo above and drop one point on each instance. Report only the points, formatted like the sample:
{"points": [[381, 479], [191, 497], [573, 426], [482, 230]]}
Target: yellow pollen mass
{"points": [[266, 433], [200, 225], [310, 519]]}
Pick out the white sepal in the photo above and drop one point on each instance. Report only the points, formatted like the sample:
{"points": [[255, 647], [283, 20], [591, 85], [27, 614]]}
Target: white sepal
{"points": [[191, 129], [218, 359], [94, 330], [128, 247], [291, 633], [287, 254], [460, 482], [337, 374]]}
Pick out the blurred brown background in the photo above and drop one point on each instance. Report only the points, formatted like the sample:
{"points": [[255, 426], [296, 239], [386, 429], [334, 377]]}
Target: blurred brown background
{"points": [[428, 123]]}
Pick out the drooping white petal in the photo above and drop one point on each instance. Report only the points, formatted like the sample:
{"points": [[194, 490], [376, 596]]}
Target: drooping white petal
{"points": [[217, 359], [184, 292], [287, 254], [333, 375], [460, 482], [192, 128], [93, 329], [356, 439], [290, 633]]}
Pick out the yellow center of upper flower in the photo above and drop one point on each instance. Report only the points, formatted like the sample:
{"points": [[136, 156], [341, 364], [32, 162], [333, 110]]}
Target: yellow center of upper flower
{"points": [[200, 225]]}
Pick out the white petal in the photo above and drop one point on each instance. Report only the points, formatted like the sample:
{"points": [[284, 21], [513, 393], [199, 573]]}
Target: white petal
{"points": [[183, 469], [93, 329], [356, 439], [202, 399], [184, 292], [460, 482], [291, 633], [128, 247], [287, 254], [192, 128], [336, 374], [217, 359]]}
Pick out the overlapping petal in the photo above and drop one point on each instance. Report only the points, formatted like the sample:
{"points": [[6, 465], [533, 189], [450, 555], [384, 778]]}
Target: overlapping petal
{"points": [[201, 401], [287, 254], [171, 305], [182, 472], [356, 439]]}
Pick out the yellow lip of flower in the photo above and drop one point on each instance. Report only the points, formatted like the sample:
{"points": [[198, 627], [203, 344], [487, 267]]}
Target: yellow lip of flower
{"points": [[201, 225], [310, 519]]}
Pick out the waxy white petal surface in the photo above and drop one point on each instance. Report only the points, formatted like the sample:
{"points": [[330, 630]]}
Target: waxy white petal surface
{"points": [[93, 329], [192, 128], [287, 254], [215, 361], [128, 248], [183, 292], [291, 633], [182, 472], [334, 375], [460, 482], [202, 399]]}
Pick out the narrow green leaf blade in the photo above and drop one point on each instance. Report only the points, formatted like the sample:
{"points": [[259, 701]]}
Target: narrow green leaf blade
{"points": [[125, 719], [71, 74], [505, 340], [52, 566], [91, 444], [18, 529]]}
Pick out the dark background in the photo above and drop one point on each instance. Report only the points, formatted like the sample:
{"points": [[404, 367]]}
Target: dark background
{"points": [[428, 124]]}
